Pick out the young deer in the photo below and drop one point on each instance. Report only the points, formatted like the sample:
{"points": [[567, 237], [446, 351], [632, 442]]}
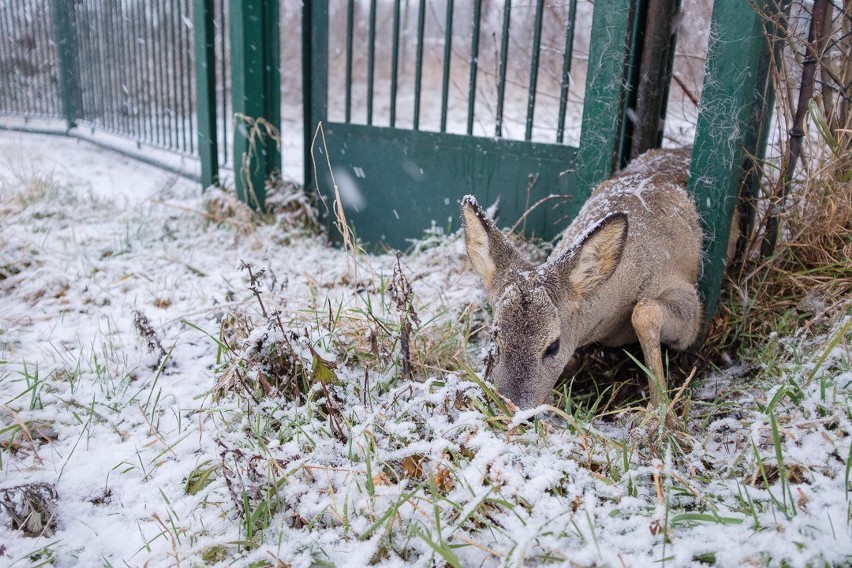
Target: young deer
{"points": [[625, 269]]}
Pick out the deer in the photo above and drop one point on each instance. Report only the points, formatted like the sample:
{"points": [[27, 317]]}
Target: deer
{"points": [[625, 270]]}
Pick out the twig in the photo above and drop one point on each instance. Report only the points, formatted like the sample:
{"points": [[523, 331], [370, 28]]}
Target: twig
{"points": [[686, 90], [254, 281], [797, 133], [403, 296], [529, 210]]}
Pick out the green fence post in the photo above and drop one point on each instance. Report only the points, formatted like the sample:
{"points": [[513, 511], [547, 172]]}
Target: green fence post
{"points": [[65, 29], [314, 75], [254, 154], [731, 122], [603, 112], [205, 80], [272, 79]]}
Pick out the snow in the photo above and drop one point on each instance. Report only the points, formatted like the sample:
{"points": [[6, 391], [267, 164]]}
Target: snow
{"points": [[88, 237]]}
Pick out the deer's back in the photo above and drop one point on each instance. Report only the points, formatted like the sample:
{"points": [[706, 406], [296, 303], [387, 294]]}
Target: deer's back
{"points": [[664, 238]]}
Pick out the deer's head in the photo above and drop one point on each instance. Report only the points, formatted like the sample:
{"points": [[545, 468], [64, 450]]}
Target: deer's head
{"points": [[539, 312]]}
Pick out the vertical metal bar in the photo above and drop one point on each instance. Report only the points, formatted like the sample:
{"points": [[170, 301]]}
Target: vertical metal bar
{"points": [[394, 62], [653, 76], [149, 72], [20, 33], [226, 124], [168, 71], [28, 59], [350, 28], [87, 70], [172, 10], [143, 40], [153, 75], [501, 69], [371, 56], [183, 77], [53, 59], [245, 88], [97, 39], [15, 48], [184, 83], [7, 102], [668, 80], [139, 72], [132, 83], [448, 54], [191, 90], [35, 53], [165, 64], [128, 19], [474, 57], [314, 75], [732, 104], [633, 66], [121, 73], [87, 73], [602, 109], [271, 80], [187, 82], [248, 75], [66, 46], [418, 68], [130, 87], [162, 78], [205, 80], [567, 54], [106, 41], [536, 49], [42, 53]]}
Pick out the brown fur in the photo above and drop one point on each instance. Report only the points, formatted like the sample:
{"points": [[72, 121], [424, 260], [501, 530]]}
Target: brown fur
{"points": [[625, 270]]}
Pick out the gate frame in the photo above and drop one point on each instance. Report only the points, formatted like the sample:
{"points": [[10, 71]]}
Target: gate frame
{"points": [[256, 96], [580, 168], [736, 98]]}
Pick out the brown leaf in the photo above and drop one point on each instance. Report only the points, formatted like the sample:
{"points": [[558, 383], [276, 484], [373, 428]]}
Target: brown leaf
{"points": [[412, 466]]}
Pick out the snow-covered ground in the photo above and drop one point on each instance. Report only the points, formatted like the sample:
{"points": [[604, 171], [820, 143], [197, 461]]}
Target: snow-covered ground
{"points": [[133, 407]]}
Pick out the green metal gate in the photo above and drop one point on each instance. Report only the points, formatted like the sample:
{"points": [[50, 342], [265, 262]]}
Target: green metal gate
{"points": [[396, 181], [400, 153]]}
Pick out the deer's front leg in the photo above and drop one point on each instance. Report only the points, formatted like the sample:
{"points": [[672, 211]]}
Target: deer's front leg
{"points": [[673, 318]]}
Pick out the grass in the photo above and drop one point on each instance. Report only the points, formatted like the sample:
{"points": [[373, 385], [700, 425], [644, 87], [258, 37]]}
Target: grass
{"points": [[416, 500], [358, 428], [322, 440], [786, 318]]}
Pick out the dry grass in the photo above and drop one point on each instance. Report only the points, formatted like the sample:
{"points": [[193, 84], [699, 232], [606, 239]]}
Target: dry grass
{"points": [[807, 282]]}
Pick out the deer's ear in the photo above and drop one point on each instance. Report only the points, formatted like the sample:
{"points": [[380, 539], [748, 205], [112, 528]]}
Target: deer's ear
{"points": [[488, 249], [592, 262]]}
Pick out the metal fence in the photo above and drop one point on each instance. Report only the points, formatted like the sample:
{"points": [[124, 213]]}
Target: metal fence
{"points": [[125, 68], [28, 62], [461, 67], [173, 74]]}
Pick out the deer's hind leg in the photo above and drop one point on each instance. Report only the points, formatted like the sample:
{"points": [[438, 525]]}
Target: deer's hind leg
{"points": [[673, 318]]}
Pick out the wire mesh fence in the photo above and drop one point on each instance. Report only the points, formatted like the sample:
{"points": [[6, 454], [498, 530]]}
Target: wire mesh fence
{"points": [[124, 68], [28, 61]]}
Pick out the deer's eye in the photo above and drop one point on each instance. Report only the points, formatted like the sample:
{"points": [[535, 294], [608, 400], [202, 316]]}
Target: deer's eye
{"points": [[552, 349]]}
